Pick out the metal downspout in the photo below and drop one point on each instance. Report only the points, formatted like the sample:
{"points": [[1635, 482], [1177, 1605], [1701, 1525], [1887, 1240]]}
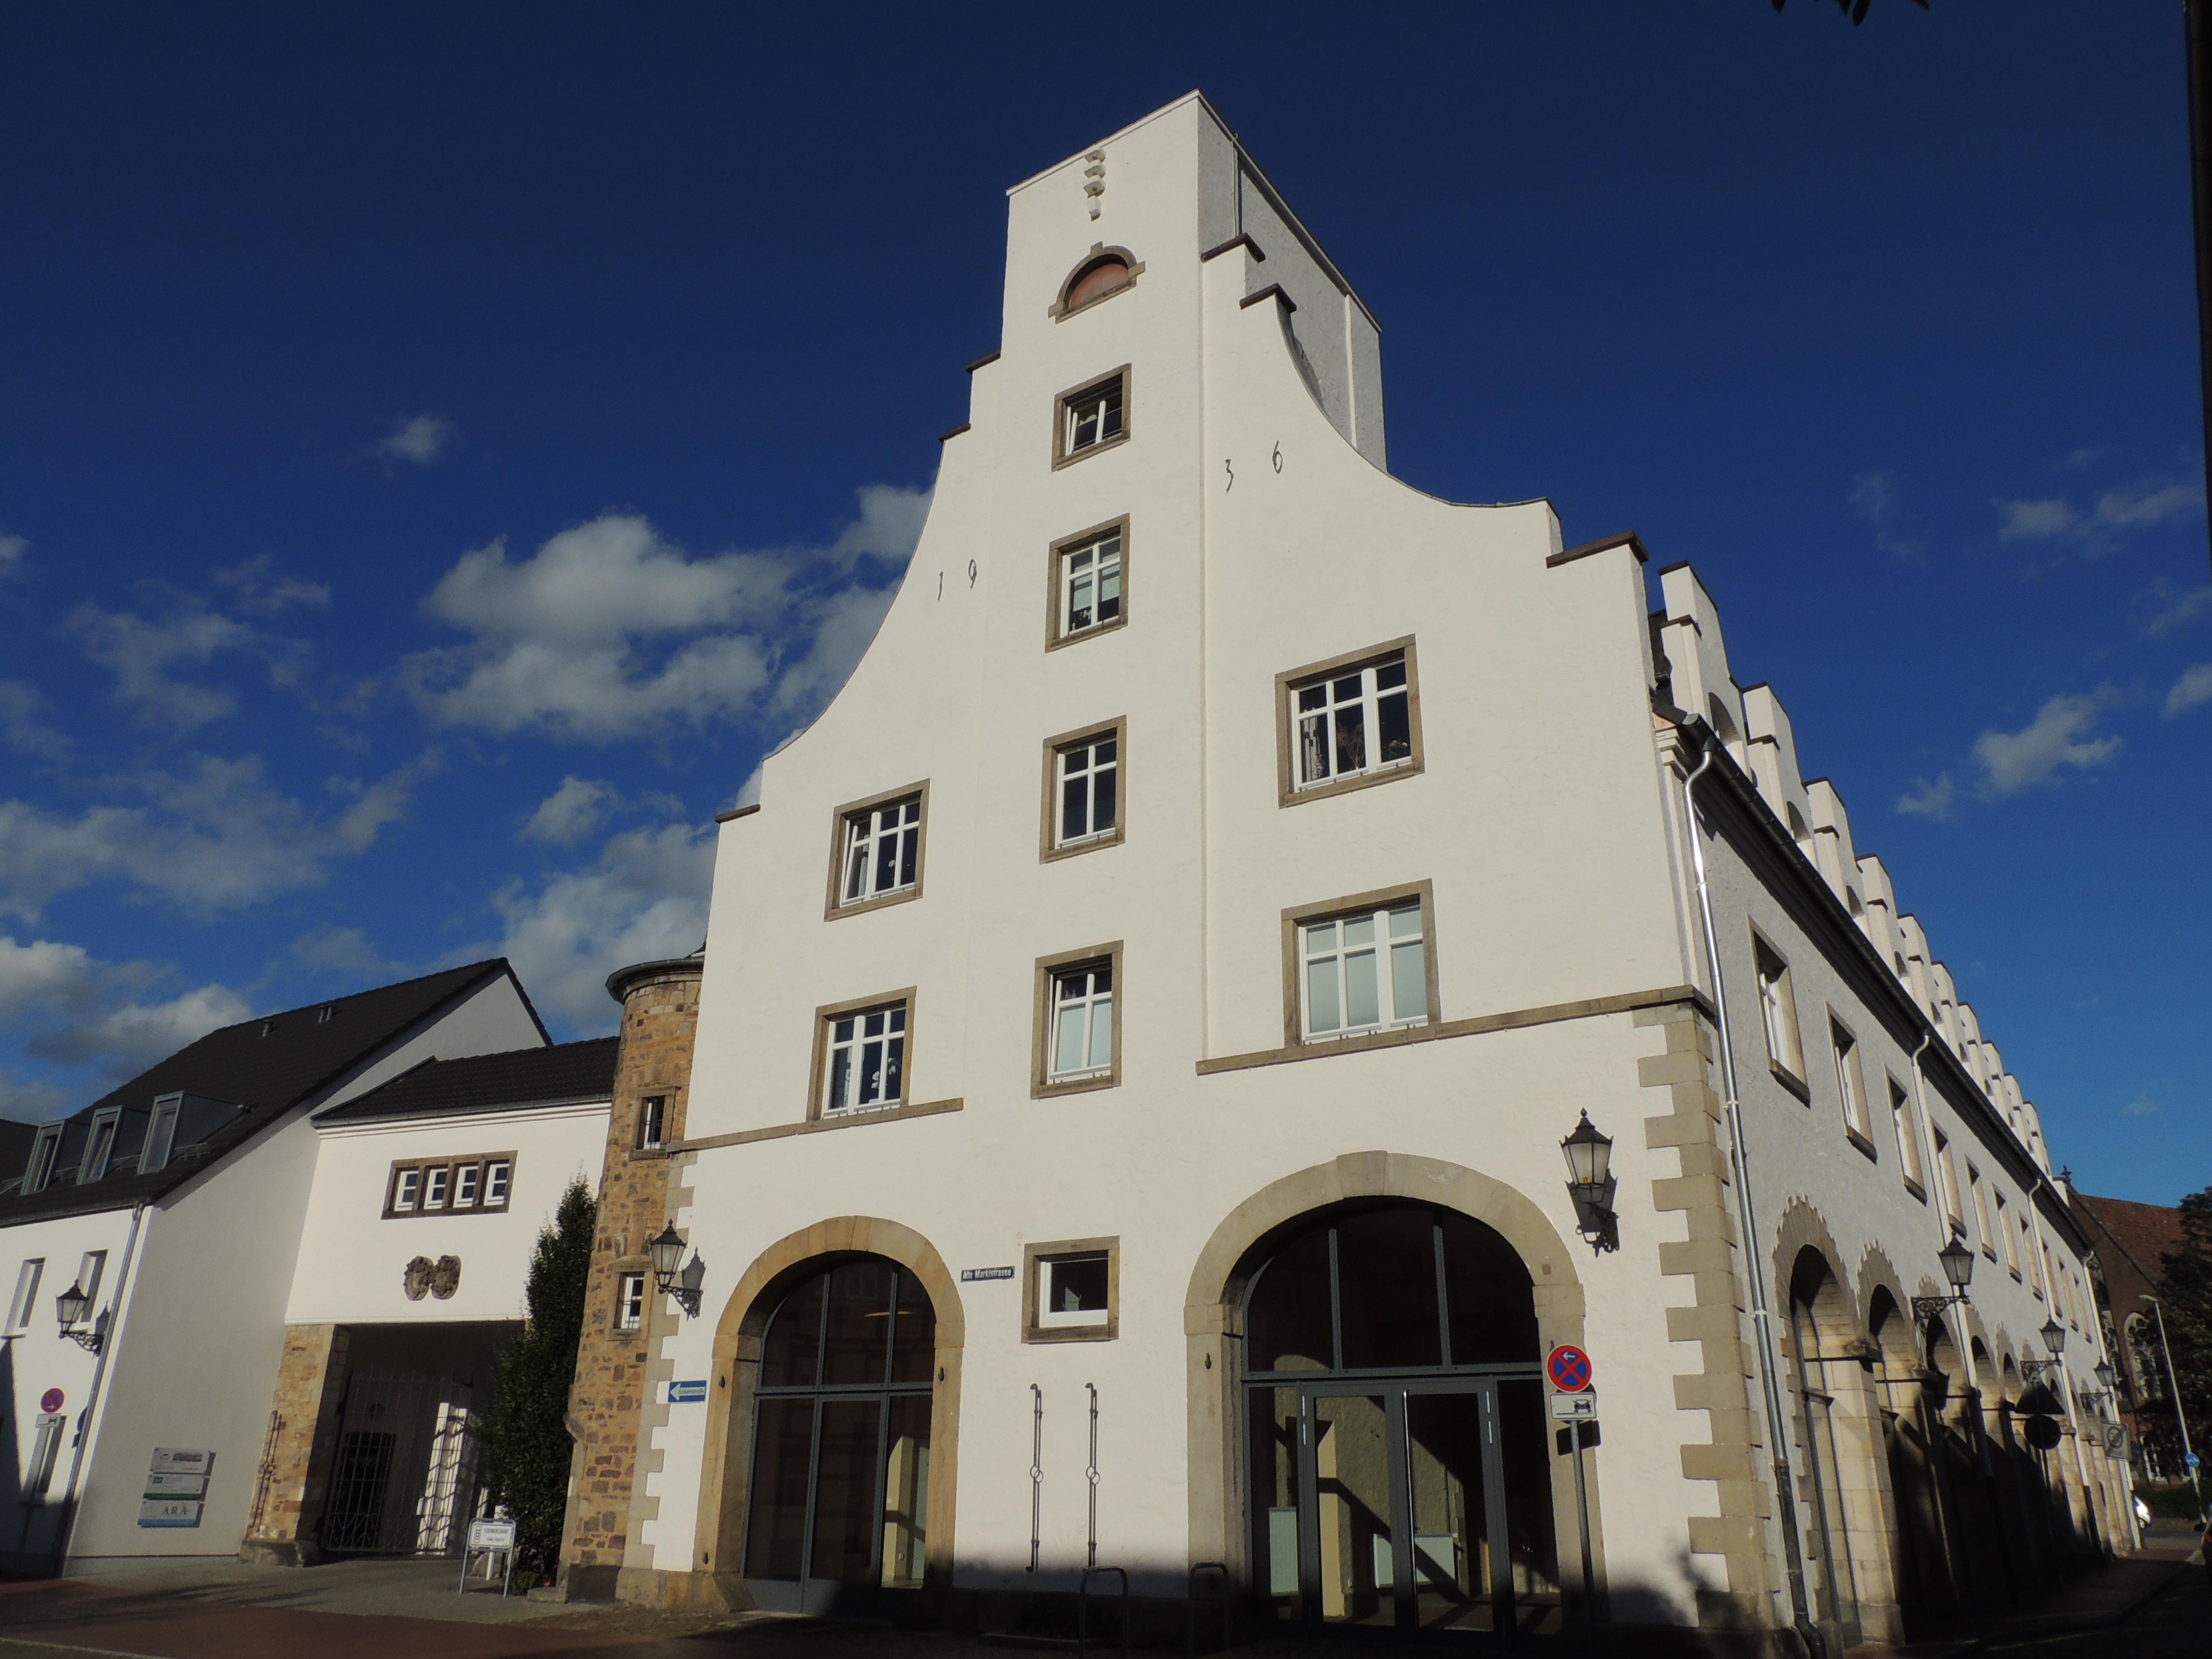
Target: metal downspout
{"points": [[65, 1534], [1747, 1222]]}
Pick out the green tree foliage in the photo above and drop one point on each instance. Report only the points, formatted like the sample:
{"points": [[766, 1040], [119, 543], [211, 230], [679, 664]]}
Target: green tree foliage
{"points": [[2187, 1293], [526, 1447]]}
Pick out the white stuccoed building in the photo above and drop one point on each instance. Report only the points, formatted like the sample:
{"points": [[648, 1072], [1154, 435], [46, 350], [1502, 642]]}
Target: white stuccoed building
{"points": [[1142, 1015]]}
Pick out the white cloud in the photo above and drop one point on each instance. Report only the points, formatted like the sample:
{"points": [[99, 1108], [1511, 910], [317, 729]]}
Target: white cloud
{"points": [[2193, 687], [569, 813], [20, 704], [608, 631], [1874, 497], [31, 1100], [77, 1009], [2177, 611], [261, 590], [2056, 739], [344, 951], [12, 548], [215, 838], [2098, 530], [140, 654], [1935, 798], [2141, 1106], [420, 438], [645, 897]]}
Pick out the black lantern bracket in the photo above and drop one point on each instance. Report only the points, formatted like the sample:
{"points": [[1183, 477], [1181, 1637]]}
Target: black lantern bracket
{"points": [[71, 1308], [684, 1284], [1958, 1259], [1591, 1186]]}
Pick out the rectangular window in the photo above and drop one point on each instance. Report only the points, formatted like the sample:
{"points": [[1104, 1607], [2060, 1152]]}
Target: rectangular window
{"points": [[436, 1181], [476, 1185], [1908, 1138], [2004, 1230], [1349, 722], [1077, 1044], [1087, 583], [46, 1444], [1981, 1213], [1082, 790], [652, 1121], [1777, 1011], [406, 1188], [467, 1179], [26, 1293], [91, 1268], [630, 1306], [45, 1146], [1364, 970], [1091, 417], [879, 852], [101, 1147], [1072, 1291], [1850, 1085], [864, 1058], [160, 1133], [497, 1174], [1947, 1181]]}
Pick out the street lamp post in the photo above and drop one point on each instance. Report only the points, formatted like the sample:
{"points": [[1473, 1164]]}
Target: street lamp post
{"points": [[2180, 1417]]}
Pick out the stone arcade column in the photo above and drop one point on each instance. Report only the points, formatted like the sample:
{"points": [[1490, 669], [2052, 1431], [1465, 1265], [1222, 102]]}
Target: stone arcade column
{"points": [[294, 1478], [608, 1403]]}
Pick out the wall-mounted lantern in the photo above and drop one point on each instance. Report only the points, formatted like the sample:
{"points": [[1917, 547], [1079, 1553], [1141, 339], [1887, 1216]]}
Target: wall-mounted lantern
{"points": [[1958, 1263], [71, 1308], [1591, 1185], [670, 1275], [2054, 1337]]}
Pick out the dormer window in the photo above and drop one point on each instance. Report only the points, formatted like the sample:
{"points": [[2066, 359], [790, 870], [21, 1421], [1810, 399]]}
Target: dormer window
{"points": [[1103, 272]]}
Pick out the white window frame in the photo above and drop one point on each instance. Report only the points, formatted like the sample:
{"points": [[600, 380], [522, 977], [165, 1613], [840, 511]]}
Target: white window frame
{"points": [[1907, 1129], [499, 1182], [26, 1304], [46, 1151], [846, 1043], [468, 1185], [1851, 1082], [1981, 1212], [99, 1143], [652, 1122], [1313, 710], [1089, 775], [893, 825], [629, 1303], [1049, 1317], [2004, 1231], [1090, 401], [1777, 1008], [437, 1187], [160, 1133], [1041, 1322], [1091, 1007], [407, 1190], [1946, 1182], [1095, 562], [1384, 945]]}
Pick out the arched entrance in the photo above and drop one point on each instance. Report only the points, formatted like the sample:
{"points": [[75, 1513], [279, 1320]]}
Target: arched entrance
{"points": [[1823, 1376], [1398, 1441]]}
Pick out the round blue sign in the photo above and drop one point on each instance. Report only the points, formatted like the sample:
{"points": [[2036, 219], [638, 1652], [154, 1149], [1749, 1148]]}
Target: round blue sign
{"points": [[1569, 1368]]}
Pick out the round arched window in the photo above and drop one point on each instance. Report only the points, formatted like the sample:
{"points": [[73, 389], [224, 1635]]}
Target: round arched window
{"points": [[1096, 280]]}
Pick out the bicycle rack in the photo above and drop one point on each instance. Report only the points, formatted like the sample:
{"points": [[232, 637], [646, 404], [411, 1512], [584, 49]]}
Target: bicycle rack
{"points": [[1220, 1571], [1082, 1609]]}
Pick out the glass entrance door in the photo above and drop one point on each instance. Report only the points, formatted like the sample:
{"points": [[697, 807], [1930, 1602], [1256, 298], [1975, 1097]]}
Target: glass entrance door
{"points": [[1410, 1505]]}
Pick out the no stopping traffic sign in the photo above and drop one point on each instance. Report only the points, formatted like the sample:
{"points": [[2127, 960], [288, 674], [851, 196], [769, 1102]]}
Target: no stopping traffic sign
{"points": [[1569, 1368]]}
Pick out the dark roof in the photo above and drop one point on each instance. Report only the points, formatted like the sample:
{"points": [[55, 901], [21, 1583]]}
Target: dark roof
{"points": [[2142, 1235], [489, 1083], [263, 1067], [15, 1143]]}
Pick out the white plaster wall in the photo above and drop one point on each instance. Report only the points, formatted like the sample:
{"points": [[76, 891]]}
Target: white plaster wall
{"points": [[352, 1261]]}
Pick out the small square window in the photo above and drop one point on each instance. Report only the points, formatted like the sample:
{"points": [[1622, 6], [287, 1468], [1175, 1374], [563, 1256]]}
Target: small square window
{"points": [[1089, 588], [1363, 970], [630, 1305], [406, 1189], [467, 1180], [1077, 1041], [497, 1174], [1349, 722], [437, 1182], [1074, 1291], [652, 1121], [1084, 796], [864, 1058], [879, 852], [1091, 417]]}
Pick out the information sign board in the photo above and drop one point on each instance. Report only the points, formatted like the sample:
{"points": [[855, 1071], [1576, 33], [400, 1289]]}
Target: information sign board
{"points": [[170, 1460], [1576, 1408], [169, 1512], [491, 1535], [176, 1484], [160, 1484], [689, 1391], [974, 1275]]}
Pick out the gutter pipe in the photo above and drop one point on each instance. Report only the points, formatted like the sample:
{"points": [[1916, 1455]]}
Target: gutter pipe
{"points": [[1762, 1314]]}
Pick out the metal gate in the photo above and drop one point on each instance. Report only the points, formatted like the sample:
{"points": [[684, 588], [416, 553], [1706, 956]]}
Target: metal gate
{"points": [[404, 1478]]}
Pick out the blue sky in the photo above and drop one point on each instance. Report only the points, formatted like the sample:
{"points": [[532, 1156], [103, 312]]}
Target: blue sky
{"points": [[442, 449]]}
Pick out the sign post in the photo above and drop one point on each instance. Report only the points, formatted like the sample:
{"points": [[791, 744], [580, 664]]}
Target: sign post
{"points": [[1570, 1374], [488, 1538]]}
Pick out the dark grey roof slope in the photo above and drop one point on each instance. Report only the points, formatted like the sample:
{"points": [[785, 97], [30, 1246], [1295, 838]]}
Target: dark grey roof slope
{"points": [[261, 1068], [566, 1073]]}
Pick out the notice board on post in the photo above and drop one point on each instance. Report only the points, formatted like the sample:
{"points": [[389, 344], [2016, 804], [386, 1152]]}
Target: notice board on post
{"points": [[175, 1493]]}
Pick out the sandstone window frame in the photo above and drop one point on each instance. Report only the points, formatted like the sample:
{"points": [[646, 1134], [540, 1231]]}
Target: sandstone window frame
{"points": [[1851, 1086], [1038, 1262], [854, 820], [1057, 632], [2003, 1224], [1377, 901], [1043, 1084], [1051, 846], [652, 1122], [1946, 1182], [630, 1302], [1778, 1016], [1907, 1128], [1289, 790], [411, 1181], [1986, 1240], [1114, 394], [819, 1079], [1065, 305], [25, 1303]]}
